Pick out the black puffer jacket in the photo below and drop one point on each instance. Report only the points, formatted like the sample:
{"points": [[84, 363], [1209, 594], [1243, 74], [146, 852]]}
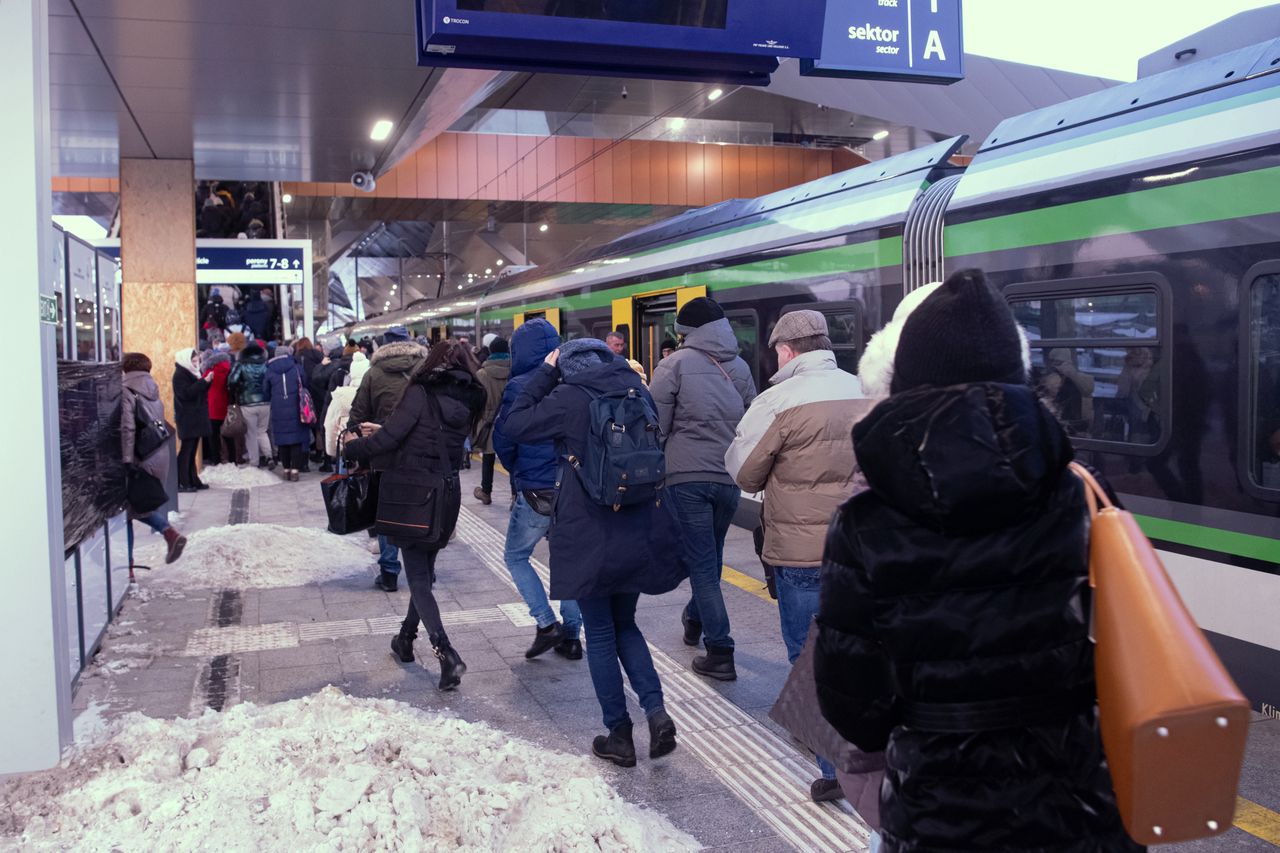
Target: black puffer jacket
{"points": [[961, 578]]}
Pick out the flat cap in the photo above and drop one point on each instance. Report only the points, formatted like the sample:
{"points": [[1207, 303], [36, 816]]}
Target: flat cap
{"points": [[798, 324]]}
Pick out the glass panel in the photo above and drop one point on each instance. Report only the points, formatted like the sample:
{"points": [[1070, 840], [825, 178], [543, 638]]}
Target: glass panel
{"points": [[847, 360], [109, 292], [1104, 393], [59, 241], [1264, 381], [844, 327], [747, 330], [82, 281], [1127, 316]]}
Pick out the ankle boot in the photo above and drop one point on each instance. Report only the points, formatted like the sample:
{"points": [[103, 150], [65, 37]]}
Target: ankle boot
{"points": [[176, 542], [451, 666], [618, 747], [402, 644], [662, 734], [717, 664]]}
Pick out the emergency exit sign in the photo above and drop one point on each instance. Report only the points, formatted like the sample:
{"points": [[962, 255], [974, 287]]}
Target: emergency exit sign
{"points": [[919, 41]]}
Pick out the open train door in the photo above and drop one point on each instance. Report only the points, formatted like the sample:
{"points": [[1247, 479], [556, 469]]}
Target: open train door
{"points": [[551, 315], [648, 319]]}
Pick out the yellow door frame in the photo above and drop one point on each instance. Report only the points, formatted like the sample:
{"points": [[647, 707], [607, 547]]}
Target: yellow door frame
{"points": [[623, 309], [551, 315]]}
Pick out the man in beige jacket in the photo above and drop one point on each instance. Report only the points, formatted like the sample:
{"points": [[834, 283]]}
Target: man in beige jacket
{"points": [[795, 445]]}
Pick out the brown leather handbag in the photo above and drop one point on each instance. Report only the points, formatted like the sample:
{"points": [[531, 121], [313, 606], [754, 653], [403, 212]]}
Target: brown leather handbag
{"points": [[1174, 724]]}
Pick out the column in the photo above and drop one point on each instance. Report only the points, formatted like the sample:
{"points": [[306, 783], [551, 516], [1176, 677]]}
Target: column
{"points": [[158, 263], [35, 700]]}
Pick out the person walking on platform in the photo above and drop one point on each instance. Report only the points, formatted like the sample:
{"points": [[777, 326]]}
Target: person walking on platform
{"points": [[532, 467], [144, 449], [215, 369], [701, 391], [426, 430], [793, 445], [954, 614], [247, 387], [604, 555], [285, 381], [494, 374], [340, 403], [389, 371], [191, 411]]}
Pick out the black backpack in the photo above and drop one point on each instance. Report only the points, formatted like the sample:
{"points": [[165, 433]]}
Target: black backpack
{"points": [[624, 463]]}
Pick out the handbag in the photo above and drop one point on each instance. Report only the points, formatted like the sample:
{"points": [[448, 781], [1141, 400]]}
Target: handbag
{"points": [[418, 505], [234, 425], [351, 501], [144, 492], [1174, 724], [150, 430]]}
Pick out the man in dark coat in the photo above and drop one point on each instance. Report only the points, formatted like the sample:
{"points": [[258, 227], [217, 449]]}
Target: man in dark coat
{"points": [[955, 598], [257, 316], [601, 557]]}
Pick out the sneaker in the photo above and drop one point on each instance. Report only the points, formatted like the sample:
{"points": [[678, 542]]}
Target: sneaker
{"points": [[825, 791], [387, 582], [482, 496], [569, 648], [545, 640]]}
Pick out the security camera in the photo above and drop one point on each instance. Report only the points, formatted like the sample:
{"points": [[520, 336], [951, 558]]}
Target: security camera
{"points": [[363, 181], [624, 93]]}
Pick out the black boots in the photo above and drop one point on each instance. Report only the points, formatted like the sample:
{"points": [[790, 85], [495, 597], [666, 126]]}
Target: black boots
{"points": [[402, 644], [451, 666], [617, 746], [692, 630], [717, 664], [825, 791], [570, 648], [662, 734], [386, 582], [545, 640]]}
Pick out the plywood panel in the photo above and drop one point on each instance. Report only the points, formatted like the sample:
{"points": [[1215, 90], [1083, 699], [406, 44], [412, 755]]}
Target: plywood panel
{"points": [[487, 166], [602, 171], [158, 222], [159, 318], [428, 170], [448, 163]]}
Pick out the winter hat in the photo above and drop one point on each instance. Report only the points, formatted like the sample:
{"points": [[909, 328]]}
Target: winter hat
{"points": [[668, 344], [237, 341], [875, 370], [795, 325], [498, 345], [396, 333], [359, 367], [582, 354], [697, 313], [133, 362], [962, 332], [487, 340], [282, 350]]}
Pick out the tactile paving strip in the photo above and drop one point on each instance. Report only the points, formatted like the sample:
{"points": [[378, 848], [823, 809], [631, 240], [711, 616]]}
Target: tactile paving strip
{"points": [[768, 774]]}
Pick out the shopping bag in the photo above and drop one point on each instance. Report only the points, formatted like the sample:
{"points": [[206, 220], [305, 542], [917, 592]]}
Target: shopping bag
{"points": [[1174, 724], [351, 500], [234, 425]]}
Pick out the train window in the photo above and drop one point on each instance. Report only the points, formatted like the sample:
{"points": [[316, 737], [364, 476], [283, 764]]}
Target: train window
{"points": [[844, 327], [1098, 357], [1263, 449], [746, 328]]}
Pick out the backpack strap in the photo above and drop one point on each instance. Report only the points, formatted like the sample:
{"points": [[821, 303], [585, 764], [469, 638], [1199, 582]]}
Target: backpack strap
{"points": [[718, 365]]}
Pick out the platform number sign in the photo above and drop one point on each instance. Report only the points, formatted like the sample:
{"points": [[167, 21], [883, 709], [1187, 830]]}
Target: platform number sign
{"points": [[917, 41]]}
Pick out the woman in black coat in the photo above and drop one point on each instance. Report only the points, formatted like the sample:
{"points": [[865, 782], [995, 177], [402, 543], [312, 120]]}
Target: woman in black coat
{"points": [[602, 558], [191, 411], [955, 598], [426, 431]]}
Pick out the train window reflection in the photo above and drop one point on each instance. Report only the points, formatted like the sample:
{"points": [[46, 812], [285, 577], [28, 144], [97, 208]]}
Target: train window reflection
{"points": [[746, 328], [1125, 316], [1264, 381]]}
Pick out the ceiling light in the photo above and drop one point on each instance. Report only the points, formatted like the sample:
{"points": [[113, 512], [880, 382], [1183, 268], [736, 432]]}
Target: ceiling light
{"points": [[381, 130], [499, 261], [488, 271], [543, 227], [676, 123], [286, 198], [459, 287], [714, 94], [880, 134]]}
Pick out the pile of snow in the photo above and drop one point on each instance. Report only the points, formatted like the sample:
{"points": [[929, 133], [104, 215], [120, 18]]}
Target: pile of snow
{"points": [[328, 772], [249, 556], [233, 477]]}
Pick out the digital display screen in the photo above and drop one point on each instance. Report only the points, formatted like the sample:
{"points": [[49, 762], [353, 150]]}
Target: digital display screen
{"points": [[707, 14]]}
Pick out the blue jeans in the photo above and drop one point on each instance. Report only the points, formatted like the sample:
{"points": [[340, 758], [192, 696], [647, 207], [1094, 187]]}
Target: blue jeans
{"points": [[156, 520], [798, 591], [613, 635], [706, 511], [389, 558], [525, 530]]}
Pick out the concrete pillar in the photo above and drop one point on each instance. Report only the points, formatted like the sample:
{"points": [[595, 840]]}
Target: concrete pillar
{"points": [[158, 263], [35, 701]]}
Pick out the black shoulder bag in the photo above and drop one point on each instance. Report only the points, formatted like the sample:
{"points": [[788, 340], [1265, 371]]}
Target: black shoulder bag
{"points": [[417, 505]]}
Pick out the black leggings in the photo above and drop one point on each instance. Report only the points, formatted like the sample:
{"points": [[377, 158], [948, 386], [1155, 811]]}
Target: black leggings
{"points": [[487, 461], [187, 463], [419, 569], [213, 444], [291, 456]]}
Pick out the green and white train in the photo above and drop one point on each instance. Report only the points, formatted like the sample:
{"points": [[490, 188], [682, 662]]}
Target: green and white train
{"points": [[1136, 232]]}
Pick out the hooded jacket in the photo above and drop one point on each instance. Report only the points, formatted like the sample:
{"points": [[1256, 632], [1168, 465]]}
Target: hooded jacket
{"points": [[389, 372], [285, 380], [701, 391], [961, 577], [494, 375], [190, 401], [531, 465], [793, 445], [257, 316], [139, 390], [247, 383], [595, 551], [216, 371]]}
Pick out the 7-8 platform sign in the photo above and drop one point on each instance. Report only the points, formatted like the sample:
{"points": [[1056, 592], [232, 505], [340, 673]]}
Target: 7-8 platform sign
{"points": [[919, 41]]}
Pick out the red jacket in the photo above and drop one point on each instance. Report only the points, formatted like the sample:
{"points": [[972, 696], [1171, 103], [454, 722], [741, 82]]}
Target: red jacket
{"points": [[217, 376]]}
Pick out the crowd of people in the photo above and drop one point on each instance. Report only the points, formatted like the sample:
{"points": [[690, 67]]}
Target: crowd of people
{"points": [[233, 209], [919, 525]]}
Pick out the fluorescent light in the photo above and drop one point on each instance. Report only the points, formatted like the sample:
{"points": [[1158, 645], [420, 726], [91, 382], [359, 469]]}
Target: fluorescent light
{"points": [[880, 134], [1171, 176], [381, 130], [543, 227], [676, 123], [714, 94], [500, 261], [286, 198]]}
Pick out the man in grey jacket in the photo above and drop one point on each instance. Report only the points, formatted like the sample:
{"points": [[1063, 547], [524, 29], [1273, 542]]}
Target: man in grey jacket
{"points": [[702, 391]]}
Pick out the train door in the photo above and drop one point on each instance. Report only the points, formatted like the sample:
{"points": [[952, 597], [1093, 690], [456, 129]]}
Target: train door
{"points": [[648, 319], [551, 315]]}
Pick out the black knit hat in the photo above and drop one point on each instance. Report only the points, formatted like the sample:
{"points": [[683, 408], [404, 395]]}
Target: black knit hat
{"points": [[499, 346], [964, 332], [699, 312]]}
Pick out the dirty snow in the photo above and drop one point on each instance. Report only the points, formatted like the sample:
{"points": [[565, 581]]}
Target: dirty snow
{"points": [[328, 772], [254, 556], [231, 477]]}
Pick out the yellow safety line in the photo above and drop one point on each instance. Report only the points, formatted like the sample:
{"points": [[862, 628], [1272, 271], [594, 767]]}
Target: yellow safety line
{"points": [[1258, 821], [758, 588]]}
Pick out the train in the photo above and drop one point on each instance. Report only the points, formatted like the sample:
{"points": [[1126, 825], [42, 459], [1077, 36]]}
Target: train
{"points": [[1136, 234]]}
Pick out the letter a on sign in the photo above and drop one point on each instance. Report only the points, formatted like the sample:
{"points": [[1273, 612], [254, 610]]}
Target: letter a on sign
{"points": [[934, 45]]}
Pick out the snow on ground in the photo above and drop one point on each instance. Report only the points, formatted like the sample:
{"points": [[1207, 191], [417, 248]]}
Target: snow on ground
{"points": [[231, 477], [327, 772], [254, 556]]}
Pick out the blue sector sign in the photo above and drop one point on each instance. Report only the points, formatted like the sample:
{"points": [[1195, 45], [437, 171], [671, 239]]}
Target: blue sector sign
{"points": [[907, 40], [257, 263]]}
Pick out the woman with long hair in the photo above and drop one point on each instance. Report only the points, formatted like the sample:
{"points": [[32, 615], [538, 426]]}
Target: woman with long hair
{"points": [[426, 431]]}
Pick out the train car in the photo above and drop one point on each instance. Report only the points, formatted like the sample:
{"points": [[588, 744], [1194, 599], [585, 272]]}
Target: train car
{"points": [[1136, 233]]}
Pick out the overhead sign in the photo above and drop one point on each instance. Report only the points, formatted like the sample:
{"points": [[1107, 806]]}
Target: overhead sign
{"points": [[256, 263], [919, 41]]}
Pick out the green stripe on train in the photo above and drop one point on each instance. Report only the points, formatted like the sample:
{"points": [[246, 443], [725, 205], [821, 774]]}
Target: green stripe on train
{"points": [[870, 255], [1211, 538], [1209, 200]]}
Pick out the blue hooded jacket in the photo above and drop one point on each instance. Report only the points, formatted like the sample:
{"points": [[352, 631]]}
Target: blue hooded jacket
{"points": [[532, 466]]}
